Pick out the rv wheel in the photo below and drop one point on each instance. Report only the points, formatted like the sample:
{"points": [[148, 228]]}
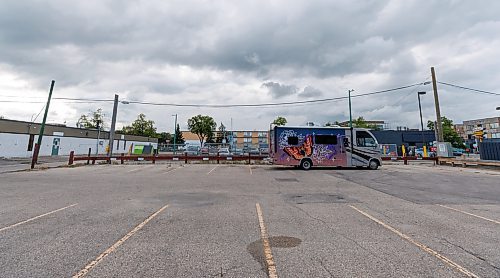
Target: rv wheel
{"points": [[306, 164], [373, 165]]}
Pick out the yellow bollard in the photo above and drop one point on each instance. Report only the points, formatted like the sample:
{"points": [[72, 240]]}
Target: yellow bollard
{"points": [[425, 151], [403, 150]]}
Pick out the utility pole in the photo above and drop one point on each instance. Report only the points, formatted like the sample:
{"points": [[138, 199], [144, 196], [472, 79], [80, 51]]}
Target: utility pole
{"points": [[98, 122], [175, 134], [112, 130], [421, 120], [439, 126], [42, 128], [350, 124]]}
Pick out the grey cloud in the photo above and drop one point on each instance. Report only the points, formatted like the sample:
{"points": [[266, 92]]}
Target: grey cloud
{"points": [[310, 91], [278, 90], [100, 47]]}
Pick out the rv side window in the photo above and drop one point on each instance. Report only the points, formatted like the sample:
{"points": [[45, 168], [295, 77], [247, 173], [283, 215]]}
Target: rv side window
{"points": [[364, 139], [293, 140], [326, 139]]}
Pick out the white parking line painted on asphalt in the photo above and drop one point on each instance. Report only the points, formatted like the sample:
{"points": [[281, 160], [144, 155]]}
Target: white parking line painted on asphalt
{"points": [[250, 169], [111, 249], [36, 217], [422, 247], [171, 170], [134, 170], [271, 266], [471, 214], [213, 169]]}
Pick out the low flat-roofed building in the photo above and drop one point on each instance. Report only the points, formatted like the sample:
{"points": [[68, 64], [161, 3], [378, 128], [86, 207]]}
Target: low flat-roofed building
{"points": [[17, 139]]}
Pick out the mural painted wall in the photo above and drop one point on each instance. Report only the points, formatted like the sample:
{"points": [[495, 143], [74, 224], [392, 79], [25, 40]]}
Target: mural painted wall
{"points": [[294, 144]]}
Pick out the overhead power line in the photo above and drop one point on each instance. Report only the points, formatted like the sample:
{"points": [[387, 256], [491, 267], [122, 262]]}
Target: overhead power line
{"points": [[470, 89], [272, 104], [84, 100]]}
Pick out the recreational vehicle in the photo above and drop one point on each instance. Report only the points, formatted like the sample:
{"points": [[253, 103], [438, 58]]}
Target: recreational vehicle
{"points": [[323, 146]]}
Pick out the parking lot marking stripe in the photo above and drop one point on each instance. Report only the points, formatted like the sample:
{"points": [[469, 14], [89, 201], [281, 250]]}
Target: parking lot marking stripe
{"points": [[211, 170], [108, 251], [134, 170], [471, 214], [271, 267], [250, 169], [36, 217], [419, 245]]}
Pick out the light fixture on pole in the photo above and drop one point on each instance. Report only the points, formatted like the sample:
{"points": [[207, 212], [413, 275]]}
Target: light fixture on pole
{"points": [[421, 121], [175, 133]]}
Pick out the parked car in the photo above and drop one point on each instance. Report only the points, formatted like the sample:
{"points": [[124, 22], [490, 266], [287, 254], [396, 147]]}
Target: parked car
{"points": [[237, 151], [192, 150], [458, 152], [253, 151], [224, 152], [264, 150], [204, 150]]}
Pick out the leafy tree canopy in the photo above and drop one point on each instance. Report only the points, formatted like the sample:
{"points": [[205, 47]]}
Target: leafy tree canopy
{"points": [[92, 120], [449, 132], [141, 127], [280, 121], [202, 126]]}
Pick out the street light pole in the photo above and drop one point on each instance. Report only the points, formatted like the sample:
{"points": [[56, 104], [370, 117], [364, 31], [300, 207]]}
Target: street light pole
{"points": [[421, 121], [175, 133]]}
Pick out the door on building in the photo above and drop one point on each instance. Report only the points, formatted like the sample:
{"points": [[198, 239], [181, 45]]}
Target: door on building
{"points": [[55, 146]]}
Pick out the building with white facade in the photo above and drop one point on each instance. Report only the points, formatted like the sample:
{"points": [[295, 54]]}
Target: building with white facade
{"points": [[18, 138]]}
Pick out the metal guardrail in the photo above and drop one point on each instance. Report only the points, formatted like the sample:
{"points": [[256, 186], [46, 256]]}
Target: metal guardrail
{"points": [[153, 158], [408, 158]]}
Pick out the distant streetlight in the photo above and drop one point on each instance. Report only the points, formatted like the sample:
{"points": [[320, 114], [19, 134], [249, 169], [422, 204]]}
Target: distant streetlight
{"points": [[175, 133], [421, 121]]}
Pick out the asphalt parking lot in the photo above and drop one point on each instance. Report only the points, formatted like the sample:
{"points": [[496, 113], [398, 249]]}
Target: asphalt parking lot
{"points": [[208, 220]]}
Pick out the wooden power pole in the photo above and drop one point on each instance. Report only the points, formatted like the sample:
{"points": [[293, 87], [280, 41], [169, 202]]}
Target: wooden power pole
{"points": [[439, 126]]}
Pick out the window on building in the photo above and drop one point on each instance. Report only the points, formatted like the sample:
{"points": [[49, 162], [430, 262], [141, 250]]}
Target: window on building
{"points": [[326, 139], [293, 140], [262, 134], [364, 139], [247, 134], [247, 140]]}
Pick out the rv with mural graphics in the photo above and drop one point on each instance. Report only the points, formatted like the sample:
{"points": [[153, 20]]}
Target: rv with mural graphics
{"points": [[308, 146]]}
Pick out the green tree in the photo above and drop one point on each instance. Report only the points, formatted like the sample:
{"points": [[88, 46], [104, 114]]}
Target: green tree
{"points": [[449, 133], [164, 137], [280, 121], [93, 120], [141, 127], [361, 123], [179, 138], [1, 117], [203, 127]]}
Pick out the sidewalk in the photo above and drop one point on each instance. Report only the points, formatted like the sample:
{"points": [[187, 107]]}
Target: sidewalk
{"points": [[8, 165]]}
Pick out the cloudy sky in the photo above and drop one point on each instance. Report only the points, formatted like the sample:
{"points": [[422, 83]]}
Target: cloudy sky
{"points": [[248, 52]]}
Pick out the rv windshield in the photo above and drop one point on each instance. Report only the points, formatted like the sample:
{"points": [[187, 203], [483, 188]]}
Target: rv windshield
{"points": [[364, 139]]}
